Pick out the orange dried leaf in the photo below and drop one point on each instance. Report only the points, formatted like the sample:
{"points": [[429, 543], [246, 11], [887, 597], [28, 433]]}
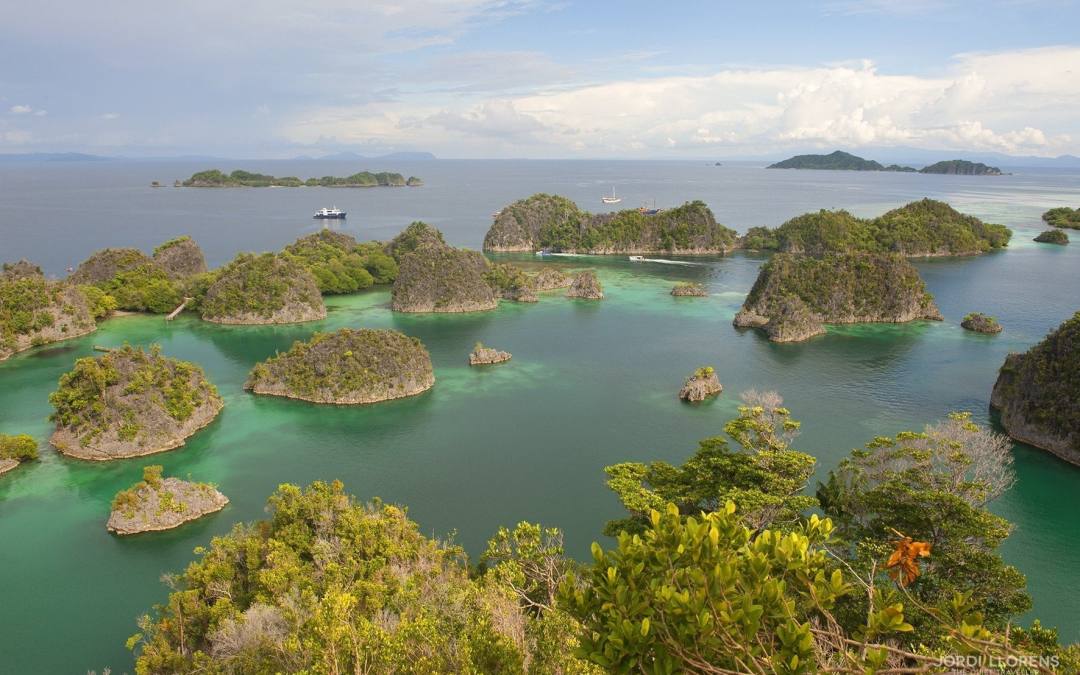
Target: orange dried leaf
{"points": [[903, 564]]}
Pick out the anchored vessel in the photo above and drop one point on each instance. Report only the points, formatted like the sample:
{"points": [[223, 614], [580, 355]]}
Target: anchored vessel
{"points": [[612, 199], [333, 213]]}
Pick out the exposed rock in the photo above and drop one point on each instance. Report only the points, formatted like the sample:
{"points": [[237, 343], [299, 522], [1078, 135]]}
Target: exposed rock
{"points": [[482, 355], [180, 258], [795, 295], [105, 264], [347, 367], [587, 286], [981, 323], [1053, 237], [701, 385], [442, 279], [689, 290], [128, 403], [263, 289], [35, 311], [1038, 393], [7, 465], [550, 221], [550, 279], [157, 503], [19, 270]]}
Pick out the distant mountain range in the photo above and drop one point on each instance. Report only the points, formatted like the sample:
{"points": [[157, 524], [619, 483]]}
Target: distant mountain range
{"points": [[49, 157]]}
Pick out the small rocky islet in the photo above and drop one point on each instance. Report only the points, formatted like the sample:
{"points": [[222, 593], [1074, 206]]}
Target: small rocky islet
{"points": [[1037, 393], [981, 323], [1053, 237], [483, 356], [159, 503], [14, 450], [586, 286], [702, 384], [689, 290], [795, 295], [347, 367], [130, 402]]}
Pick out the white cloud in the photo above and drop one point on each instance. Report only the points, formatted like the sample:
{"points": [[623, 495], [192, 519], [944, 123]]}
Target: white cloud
{"points": [[110, 116], [20, 110], [1015, 102]]}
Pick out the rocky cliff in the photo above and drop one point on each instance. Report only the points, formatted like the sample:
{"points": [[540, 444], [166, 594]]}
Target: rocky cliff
{"points": [[18, 270], [794, 296], [442, 279], [553, 222], [157, 503], [1038, 393], [35, 311], [180, 258], [347, 367], [587, 286], [482, 356], [105, 264], [701, 385], [130, 402], [263, 289]]}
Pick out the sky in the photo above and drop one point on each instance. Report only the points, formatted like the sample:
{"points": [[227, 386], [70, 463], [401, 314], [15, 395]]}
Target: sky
{"points": [[538, 78]]}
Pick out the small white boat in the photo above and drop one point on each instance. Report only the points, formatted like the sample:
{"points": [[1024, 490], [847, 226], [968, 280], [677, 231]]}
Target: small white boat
{"points": [[612, 199], [333, 213], [637, 258]]}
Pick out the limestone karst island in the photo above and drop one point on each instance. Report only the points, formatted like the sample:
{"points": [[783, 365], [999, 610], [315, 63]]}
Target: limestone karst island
{"points": [[540, 337]]}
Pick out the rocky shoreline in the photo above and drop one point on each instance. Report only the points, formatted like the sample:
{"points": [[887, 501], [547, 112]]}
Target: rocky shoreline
{"points": [[482, 356]]}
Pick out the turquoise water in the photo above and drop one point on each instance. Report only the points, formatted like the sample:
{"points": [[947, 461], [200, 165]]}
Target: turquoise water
{"points": [[590, 384]]}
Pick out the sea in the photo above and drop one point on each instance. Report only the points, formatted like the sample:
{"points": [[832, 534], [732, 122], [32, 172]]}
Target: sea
{"points": [[590, 383]]}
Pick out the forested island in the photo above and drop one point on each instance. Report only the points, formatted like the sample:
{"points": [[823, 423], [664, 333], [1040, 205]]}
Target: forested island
{"points": [[845, 161], [923, 228], [436, 277], [156, 503], [35, 311], [262, 289], [347, 367], [130, 402], [545, 221], [238, 178], [1063, 216], [796, 295], [1038, 393]]}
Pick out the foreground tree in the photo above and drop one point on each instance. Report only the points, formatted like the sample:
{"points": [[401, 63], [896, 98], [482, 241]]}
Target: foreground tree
{"points": [[932, 486], [706, 594], [764, 476]]}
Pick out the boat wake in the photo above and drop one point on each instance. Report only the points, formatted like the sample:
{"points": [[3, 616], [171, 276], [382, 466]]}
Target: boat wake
{"points": [[638, 258]]}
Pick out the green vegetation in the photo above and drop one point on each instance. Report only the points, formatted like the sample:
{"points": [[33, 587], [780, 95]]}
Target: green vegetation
{"points": [[19, 269], [933, 486], [1038, 392], [127, 390], [961, 167], [417, 235], [925, 227], [146, 288], [981, 323], [238, 178], [101, 304], [835, 161], [133, 282], [340, 264], [21, 447], [176, 241], [26, 306], [902, 574], [1063, 216], [347, 366], [511, 282], [327, 585], [126, 501], [263, 286], [439, 278], [765, 474], [550, 221], [1053, 237]]}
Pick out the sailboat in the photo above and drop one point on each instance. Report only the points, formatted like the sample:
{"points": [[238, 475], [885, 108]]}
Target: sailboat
{"points": [[612, 199]]}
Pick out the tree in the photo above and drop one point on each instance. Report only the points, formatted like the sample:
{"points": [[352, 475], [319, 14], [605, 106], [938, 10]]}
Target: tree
{"points": [[765, 476], [932, 486], [706, 594]]}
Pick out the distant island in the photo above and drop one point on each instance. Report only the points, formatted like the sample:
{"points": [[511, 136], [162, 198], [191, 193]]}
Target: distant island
{"points": [[238, 178], [845, 161], [1063, 216]]}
